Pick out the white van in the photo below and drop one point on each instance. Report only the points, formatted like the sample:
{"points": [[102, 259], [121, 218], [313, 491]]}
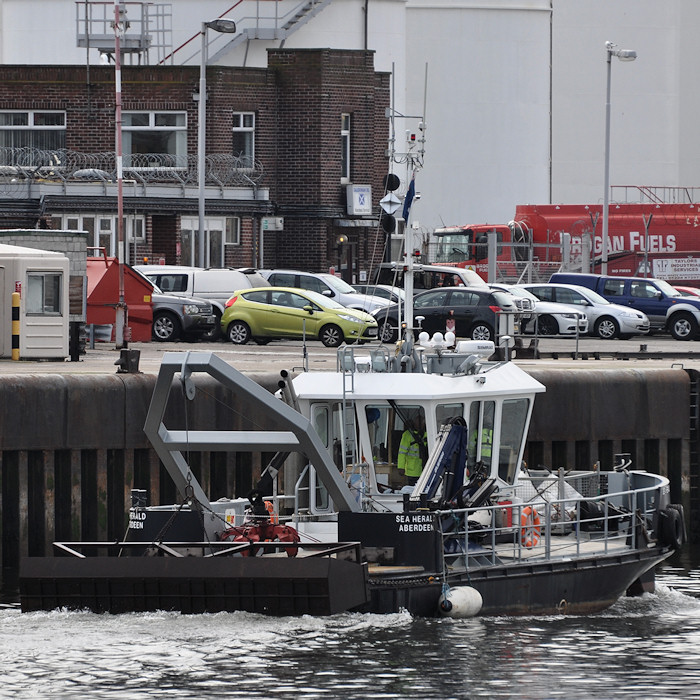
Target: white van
{"points": [[216, 285]]}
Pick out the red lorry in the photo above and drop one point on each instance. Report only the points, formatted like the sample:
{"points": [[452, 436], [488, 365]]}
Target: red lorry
{"points": [[654, 240]]}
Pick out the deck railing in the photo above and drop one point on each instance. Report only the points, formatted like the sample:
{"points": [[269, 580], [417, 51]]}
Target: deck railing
{"points": [[548, 528]]}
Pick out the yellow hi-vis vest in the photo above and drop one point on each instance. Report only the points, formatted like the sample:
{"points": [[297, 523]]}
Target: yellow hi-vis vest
{"points": [[486, 441], [410, 461]]}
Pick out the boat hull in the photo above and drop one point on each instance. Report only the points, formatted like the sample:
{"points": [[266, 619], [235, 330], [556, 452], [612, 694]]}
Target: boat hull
{"points": [[268, 585], [547, 588], [574, 587], [320, 586]]}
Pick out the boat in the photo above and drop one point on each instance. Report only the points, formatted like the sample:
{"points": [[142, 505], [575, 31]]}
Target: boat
{"points": [[333, 525]]}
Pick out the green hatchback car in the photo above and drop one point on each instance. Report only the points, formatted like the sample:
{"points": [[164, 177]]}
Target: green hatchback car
{"points": [[269, 313]]}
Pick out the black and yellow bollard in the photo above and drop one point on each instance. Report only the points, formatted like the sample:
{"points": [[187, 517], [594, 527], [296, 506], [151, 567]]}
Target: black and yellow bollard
{"points": [[15, 325]]}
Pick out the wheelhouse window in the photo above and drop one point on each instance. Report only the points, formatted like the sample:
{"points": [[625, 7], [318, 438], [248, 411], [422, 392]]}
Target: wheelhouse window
{"points": [[44, 293], [243, 137], [345, 148], [337, 430], [446, 412], [513, 421], [320, 499], [387, 426], [33, 129], [481, 425], [160, 135]]}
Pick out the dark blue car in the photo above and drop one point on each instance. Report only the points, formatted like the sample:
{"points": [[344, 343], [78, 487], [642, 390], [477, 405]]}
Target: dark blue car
{"points": [[668, 310]]}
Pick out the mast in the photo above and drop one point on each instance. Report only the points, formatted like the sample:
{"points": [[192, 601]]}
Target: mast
{"points": [[412, 158], [121, 327]]}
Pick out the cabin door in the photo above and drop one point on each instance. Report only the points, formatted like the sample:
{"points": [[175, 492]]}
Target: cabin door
{"points": [[338, 432]]}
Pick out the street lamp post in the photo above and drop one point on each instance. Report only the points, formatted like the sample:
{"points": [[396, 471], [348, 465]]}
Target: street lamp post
{"points": [[224, 26], [623, 55]]}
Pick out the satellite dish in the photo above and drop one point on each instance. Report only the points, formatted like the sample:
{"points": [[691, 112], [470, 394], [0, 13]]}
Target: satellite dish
{"points": [[391, 182]]}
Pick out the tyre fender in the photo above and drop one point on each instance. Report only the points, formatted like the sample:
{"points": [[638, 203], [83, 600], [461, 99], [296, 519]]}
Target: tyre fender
{"points": [[672, 526]]}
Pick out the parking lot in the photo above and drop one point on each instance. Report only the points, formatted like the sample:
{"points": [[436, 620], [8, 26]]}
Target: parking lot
{"points": [[291, 355]]}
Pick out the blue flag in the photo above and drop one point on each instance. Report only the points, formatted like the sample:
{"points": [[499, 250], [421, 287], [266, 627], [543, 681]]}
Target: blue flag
{"points": [[409, 198]]}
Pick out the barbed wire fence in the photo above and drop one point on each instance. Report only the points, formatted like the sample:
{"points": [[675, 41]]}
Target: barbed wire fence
{"points": [[21, 165]]}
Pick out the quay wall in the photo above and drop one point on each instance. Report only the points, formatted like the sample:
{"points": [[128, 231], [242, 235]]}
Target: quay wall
{"points": [[72, 446]]}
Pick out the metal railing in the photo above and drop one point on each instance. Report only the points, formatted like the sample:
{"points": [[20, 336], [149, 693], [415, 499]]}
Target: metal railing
{"points": [[645, 194], [544, 528], [148, 27], [83, 550], [272, 20], [521, 268]]}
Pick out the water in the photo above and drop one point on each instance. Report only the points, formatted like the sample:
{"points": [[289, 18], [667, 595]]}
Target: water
{"points": [[640, 648]]}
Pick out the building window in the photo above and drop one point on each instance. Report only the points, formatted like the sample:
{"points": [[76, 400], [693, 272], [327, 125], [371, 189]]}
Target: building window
{"points": [[345, 146], [135, 228], [233, 231], [244, 137], [218, 233], [45, 131], [44, 293], [161, 134], [102, 232]]}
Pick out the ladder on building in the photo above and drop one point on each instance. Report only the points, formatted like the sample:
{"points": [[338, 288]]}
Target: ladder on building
{"points": [[148, 36], [272, 21]]}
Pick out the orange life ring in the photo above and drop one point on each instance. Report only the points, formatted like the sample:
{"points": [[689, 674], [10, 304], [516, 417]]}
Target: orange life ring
{"points": [[529, 527], [274, 519]]}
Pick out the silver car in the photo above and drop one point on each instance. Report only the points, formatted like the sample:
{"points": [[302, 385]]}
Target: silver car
{"points": [[605, 320], [547, 317], [384, 291], [329, 285]]}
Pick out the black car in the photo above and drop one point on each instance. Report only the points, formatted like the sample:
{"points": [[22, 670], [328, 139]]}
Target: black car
{"points": [[474, 311], [176, 317]]}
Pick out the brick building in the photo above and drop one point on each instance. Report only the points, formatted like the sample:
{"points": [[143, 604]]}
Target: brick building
{"points": [[283, 144]]}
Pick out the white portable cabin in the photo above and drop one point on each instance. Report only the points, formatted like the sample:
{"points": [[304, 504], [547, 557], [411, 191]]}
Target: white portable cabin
{"points": [[41, 278]]}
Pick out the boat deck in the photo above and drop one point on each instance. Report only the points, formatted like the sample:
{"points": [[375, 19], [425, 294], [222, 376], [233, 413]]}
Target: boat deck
{"points": [[560, 547], [391, 570]]}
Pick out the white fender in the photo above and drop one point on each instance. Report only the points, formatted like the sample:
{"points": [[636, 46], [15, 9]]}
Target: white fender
{"points": [[460, 602], [483, 517]]}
